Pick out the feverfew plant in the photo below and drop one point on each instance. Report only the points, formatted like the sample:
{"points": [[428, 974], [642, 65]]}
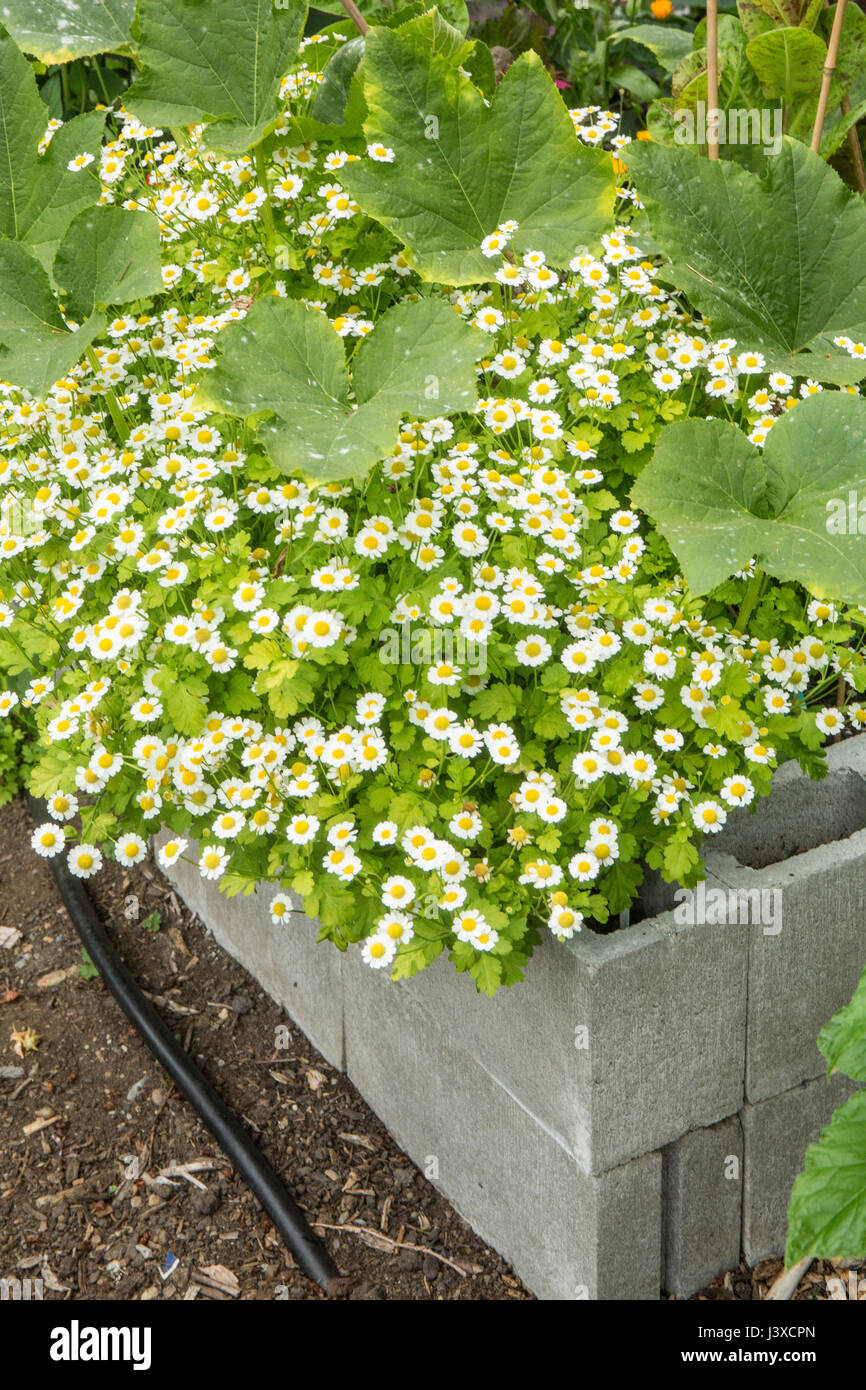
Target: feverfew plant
{"points": [[333, 570]]}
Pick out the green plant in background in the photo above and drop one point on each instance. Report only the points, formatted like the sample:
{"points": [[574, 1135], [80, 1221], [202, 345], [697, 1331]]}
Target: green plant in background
{"points": [[86, 61], [602, 54], [772, 55], [827, 1211]]}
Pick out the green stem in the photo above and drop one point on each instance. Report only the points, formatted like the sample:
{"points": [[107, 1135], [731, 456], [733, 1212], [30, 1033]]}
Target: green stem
{"points": [[111, 401], [267, 211], [749, 603]]}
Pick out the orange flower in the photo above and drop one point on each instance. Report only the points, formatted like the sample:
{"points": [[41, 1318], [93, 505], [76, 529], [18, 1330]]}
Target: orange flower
{"points": [[644, 134], [661, 8]]}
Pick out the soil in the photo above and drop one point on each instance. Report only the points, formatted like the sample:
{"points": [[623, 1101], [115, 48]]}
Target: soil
{"points": [[89, 1123], [107, 1175]]}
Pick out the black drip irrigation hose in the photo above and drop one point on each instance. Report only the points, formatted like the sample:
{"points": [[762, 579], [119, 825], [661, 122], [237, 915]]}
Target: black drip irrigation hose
{"points": [[286, 1215]]}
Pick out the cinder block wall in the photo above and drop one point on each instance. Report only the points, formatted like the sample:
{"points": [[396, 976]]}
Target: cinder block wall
{"points": [[634, 1113]]}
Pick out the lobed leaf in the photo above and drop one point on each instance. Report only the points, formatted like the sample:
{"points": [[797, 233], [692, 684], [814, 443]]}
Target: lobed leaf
{"points": [[775, 262], [288, 362], [218, 61], [108, 256], [36, 345], [39, 195], [462, 165], [719, 501]]}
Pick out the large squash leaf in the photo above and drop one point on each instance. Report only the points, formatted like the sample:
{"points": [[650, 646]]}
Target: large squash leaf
{"points": [[218, 61], [288, 363], [36, 345], [827, 1214], [843, 1039], [775, 262], [462, 165], [719, 501], [58, 33], [108, 256], [39, 195]]}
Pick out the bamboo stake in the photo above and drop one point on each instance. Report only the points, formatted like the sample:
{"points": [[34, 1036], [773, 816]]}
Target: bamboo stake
{"points": [[712, 79], [356, 17], [787, 1282], [829, 69]]}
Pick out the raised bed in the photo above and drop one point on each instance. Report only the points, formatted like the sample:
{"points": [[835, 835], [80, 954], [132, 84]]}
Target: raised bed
{"points": [[633, 1114]]}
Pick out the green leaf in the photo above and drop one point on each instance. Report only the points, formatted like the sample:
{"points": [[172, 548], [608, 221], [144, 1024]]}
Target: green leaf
{"points": [[214, 60], [87, 970], [108, 256], [827, 1211], [834, 135], [720, 501], [88, 26], [37, 346], [463, 166], [851, 57], [788, 61], [50, 775], [185, 701], [39, 196], [634, 80], [796, 12], [287, 360], [843, 1039], [487, 973], [668, 46], [774, 262], [339, 96]]}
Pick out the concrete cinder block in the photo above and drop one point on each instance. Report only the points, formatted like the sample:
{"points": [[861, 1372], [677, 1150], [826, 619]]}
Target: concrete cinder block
{"points": [[702, 1194], [800, 814], [618, 1044], [303, 976], [569, 1235], [800, 975], [776, 1134]]}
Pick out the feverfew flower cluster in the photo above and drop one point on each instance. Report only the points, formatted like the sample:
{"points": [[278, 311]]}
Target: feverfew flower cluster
{"points": [[446, 706]]}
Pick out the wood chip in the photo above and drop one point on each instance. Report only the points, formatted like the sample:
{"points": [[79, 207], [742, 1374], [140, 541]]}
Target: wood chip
{"points": [[315, 1079], [55, 977], [217, 1277], [363, 1139], [36, 1125]]}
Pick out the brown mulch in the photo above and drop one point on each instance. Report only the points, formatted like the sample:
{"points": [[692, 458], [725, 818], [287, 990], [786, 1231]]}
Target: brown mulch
{"points": [[90, 1126], [838, 1280]]}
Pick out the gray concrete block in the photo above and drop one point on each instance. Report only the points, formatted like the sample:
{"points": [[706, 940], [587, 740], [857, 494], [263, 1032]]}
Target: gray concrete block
{"points": [[802, 974], [568, 1234], [800, 814], [702, 1195], [620, 1043], [303, 976], [776, 1134]]}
